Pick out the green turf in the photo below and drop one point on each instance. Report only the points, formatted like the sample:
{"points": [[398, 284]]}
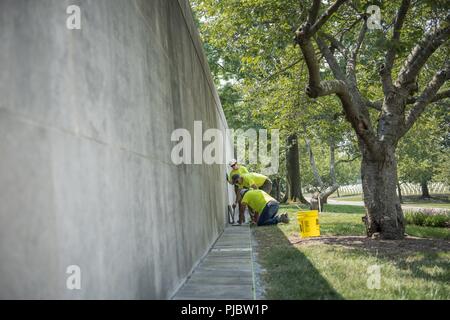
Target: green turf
{"points": [[438, 201], [339, 271]]}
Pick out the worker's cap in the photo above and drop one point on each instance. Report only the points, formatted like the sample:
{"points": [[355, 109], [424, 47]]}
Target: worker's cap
{"points": [[232, 162], [235, 178], [243, 191]]}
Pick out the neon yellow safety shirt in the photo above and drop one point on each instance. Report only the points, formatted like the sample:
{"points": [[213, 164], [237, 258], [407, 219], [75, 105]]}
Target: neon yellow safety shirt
{"points": [[242, 170], [250, 179], [256, 200]]}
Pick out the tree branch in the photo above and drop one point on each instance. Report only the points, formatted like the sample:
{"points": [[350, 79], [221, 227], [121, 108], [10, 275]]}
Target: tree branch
{"points": [[428, 94], [335, 43], [377, 105], [352, 103], [312, 63], [350, 97], [325, 16], [351, 63], [313, 12], [348, 160], [386, 69], [326, 88], [308, 30], [438, 96], [360, 40], [332, 162], [420, 54], [282, 70], [303, 38], [331, 60], [343, 31]]}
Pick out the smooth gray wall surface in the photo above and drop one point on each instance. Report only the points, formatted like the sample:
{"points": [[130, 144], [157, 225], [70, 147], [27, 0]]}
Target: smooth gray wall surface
{"points": [[86, 176]]}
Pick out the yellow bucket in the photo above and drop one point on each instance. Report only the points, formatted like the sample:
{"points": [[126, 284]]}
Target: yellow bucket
{"points": [[309, 223]]}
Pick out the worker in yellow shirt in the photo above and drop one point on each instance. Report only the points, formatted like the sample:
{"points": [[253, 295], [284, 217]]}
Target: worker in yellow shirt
{"points": [[237, 169], [263, 207], [252, 180]]}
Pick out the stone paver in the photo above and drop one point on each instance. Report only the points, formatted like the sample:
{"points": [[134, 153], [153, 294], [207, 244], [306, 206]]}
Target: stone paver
{"points": [[226, 272]]}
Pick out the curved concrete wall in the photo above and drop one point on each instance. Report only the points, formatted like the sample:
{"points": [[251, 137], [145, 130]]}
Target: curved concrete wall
{"points": [[86, 176]]}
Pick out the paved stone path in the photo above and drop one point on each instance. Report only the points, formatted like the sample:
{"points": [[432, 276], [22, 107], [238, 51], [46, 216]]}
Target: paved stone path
{"points": [[226, 272]]}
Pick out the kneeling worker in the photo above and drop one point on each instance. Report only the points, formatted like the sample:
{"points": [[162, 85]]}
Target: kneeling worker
{"points": [[252, 180], [263, 207]]}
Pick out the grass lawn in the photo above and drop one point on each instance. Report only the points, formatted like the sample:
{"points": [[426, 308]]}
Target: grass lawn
{"points": [[334, 266], [438, 201]]}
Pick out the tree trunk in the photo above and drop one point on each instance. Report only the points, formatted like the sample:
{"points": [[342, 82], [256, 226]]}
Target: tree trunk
{"points": [[328, 192], [334, 186], [293, 170], [312, 162], [286, 194], [425, 191], [384, 215], [314, 203], [276, 189], [399, 189], [324, 194]]}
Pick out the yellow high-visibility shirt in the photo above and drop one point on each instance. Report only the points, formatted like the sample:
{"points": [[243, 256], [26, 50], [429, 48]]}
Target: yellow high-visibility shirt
{"points": [[256, 199], [252, 178], [242, 170]]}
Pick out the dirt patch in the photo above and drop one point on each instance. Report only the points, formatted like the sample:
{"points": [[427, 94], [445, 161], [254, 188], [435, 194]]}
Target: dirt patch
{"points": [[409, 244]]}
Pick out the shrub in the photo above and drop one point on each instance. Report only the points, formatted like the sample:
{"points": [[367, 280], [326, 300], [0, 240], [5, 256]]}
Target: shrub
{"points": [[437, 221], [427, 219], [417, 218]]}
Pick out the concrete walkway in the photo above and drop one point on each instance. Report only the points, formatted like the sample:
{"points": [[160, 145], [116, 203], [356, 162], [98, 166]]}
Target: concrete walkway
{"points": [[226, 272]]}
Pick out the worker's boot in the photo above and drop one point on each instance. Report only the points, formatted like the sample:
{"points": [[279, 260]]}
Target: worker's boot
{"points": [[284, 218]]}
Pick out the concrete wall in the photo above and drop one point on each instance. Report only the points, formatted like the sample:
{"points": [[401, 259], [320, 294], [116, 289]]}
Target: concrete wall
{"points": [[86, 176]]}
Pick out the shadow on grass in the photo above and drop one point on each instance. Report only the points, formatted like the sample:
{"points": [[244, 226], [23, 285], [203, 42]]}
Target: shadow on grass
{"points": [[344, 208], [419, 267], [424, 267], [288, 272], [435, 198], [420, 257]]}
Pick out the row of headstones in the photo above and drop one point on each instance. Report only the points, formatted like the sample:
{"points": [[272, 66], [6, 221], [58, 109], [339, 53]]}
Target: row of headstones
{"points": [[406, 188]]}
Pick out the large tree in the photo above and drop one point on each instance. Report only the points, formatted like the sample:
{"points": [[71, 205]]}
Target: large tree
{"points": [[383, 79], [403, 95]]}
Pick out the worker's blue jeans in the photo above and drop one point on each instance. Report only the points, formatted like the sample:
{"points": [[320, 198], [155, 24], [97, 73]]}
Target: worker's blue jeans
{"points": [[268, 215]]}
